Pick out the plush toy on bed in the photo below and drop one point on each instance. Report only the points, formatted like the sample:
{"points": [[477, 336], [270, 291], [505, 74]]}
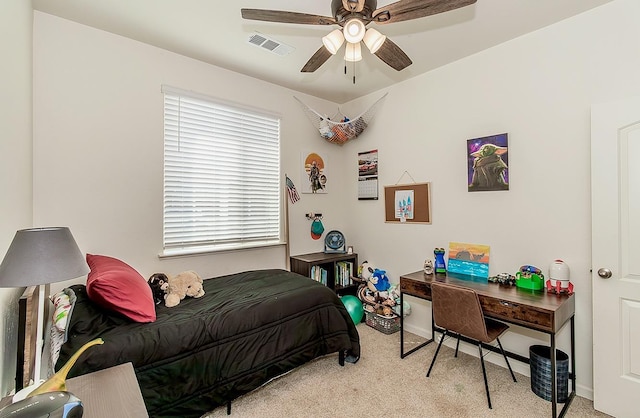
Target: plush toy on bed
{"points": [[159, 283], [187, 283]]}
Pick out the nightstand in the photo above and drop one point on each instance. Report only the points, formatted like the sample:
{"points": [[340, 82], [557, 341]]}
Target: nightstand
{"points": [[112, 392]]}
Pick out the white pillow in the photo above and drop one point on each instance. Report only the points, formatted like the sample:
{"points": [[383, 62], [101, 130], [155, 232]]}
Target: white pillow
{"points": [[63, 303]]}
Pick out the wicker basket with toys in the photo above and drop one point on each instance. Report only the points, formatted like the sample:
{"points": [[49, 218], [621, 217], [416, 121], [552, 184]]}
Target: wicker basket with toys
{"points": [[380, 299]]}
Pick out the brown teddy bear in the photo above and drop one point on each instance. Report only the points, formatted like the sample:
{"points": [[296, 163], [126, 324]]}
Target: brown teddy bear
{"points": [[187, 283]]}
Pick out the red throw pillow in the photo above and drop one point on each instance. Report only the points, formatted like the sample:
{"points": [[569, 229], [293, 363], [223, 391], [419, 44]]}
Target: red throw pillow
{"points": [[116, 286]]}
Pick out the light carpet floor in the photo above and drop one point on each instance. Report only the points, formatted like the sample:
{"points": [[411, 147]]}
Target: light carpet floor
{"points": [[382, 384]]}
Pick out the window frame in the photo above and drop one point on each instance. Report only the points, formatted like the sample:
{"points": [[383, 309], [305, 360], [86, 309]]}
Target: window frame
{"points": [[273, 203]]}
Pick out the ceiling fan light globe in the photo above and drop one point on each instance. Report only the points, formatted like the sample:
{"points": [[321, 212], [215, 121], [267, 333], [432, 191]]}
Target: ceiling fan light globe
{"points": [[354, 30], [374, 40], [333, 41], [353, 52]]}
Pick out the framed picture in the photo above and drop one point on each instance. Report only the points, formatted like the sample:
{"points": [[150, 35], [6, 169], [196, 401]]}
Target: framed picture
{"points": [[488, 163], [314, 173], [408, 203]]}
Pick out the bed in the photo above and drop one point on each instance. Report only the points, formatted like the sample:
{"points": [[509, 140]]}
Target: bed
{"points": [[247, 329]]}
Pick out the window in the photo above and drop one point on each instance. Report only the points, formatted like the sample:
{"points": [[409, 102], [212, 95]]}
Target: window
{"points": [[221, 175]]}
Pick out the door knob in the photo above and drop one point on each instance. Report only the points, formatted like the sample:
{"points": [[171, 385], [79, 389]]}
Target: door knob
{"points": [[604, 273]]}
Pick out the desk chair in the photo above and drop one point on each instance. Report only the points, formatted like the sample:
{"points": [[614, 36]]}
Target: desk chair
{"points": [[458, 311]]}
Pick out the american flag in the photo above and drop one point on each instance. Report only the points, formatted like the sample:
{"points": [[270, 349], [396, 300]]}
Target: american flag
{"points": [[291, 189]]}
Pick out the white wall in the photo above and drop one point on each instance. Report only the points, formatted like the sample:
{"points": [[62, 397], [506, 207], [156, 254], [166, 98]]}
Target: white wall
{"points": [[98, 151], [15, 161], [538, 89], [98, 144]]}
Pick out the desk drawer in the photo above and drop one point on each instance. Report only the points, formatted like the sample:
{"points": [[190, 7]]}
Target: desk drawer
{"points": [[514, 312], [415, 288]]}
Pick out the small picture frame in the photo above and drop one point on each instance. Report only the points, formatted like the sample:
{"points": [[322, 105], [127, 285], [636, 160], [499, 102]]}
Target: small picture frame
{"points": [[350, 249]]}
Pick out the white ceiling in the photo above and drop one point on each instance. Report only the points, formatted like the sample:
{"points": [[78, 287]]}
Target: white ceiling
{"points": [[213, 31]]}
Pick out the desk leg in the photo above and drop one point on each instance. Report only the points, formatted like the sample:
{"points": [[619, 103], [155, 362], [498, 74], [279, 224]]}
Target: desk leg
{"points": [[402, 353], [554, 377], [433, 327], [572, 373], [401, 325], [554, 374], [573, 360]]}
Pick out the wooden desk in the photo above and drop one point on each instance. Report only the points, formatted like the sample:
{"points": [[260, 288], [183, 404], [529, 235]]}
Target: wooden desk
{"points": [[112, 392], [537, 310]]}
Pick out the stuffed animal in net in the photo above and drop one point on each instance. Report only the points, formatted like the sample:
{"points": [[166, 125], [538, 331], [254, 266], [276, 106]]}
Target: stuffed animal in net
{"points": [[159, 283], [187, 283]]}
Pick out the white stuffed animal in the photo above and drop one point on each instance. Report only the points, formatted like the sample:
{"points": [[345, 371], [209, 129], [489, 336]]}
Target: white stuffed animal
{"points": [[187, 283], [366, 274]]}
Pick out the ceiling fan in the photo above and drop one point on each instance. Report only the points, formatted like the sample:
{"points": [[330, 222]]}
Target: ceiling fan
{"points": [[353, 16]]}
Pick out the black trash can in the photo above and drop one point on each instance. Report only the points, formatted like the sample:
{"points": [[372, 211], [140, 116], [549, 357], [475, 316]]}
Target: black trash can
{"points": [[540, 362]]}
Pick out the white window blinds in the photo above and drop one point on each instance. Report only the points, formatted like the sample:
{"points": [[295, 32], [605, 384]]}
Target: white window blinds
{"points": [[221, 175]]}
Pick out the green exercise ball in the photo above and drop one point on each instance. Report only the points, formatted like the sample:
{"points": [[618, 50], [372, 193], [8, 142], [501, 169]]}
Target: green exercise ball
{"points": [[354, 307]]}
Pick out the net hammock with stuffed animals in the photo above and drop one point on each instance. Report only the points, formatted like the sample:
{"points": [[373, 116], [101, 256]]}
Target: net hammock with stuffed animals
{"points": [[340, 129]]}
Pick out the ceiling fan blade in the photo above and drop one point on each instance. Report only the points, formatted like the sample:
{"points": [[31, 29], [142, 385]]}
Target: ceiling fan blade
{"points": [[286, 17], [393, 56], [414, 9], [320, 57]]}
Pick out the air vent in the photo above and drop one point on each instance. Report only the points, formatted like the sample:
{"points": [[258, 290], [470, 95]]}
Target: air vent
{"points": [[269, 44]]}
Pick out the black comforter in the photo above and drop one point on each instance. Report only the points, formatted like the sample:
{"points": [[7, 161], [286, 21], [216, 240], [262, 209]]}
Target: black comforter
{"points": [[248, 328]]}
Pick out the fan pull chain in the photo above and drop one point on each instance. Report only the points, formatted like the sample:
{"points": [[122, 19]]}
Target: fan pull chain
{"points": [[354, 72]]}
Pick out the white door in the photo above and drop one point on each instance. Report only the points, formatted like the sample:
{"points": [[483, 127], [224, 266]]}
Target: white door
{"points": [[615, 204]]}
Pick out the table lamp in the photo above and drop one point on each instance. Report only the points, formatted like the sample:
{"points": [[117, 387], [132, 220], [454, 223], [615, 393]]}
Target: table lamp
{"points": [[37, 257]]}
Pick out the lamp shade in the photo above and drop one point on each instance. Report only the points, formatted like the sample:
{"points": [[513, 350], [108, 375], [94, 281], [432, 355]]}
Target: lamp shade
{"points": [[373, 40], [40, 256], [354, 30], [353, 52], [333, 41]]}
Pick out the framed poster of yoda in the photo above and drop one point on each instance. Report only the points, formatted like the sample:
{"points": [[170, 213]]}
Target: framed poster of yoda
{"points": [[488, 163]]}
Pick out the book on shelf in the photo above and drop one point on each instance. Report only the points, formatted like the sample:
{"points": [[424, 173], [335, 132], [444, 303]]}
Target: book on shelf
{"points": [[319, 274], [343, 273]]}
